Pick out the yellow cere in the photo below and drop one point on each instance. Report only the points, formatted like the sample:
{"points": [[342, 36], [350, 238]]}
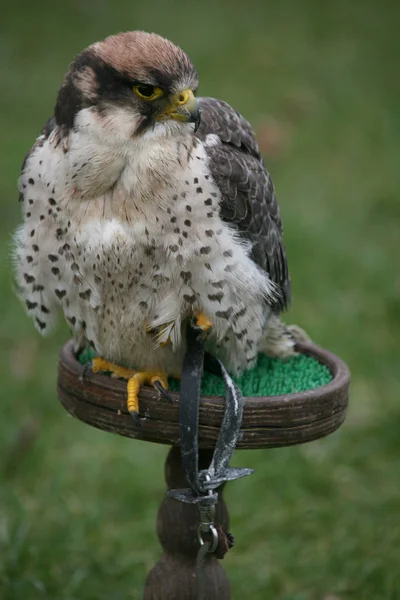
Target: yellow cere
{"points": [[183, 97]]}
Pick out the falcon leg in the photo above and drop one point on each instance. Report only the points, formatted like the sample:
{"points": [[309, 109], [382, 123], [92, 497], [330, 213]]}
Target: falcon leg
{"points": [[142, 378], [135, 380], [202, 321], [99, 365]]}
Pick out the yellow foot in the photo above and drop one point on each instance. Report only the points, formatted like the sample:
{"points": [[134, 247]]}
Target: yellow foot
{"points": [[142, 378], [202, 321], [99, 364], [135, 380]]}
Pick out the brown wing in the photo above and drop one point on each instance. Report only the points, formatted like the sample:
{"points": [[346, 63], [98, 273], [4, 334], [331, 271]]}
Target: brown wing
{"points": [[249, 202]]}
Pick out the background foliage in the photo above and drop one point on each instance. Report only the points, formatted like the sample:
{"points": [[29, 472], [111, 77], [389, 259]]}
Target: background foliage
{"points": [[320, 82]]}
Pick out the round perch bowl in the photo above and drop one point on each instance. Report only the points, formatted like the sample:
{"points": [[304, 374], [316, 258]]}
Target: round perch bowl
{"points": [[268, 421]]}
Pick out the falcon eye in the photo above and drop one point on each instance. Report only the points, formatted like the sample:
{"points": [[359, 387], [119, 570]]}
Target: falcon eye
{"points": [[147, 92]]}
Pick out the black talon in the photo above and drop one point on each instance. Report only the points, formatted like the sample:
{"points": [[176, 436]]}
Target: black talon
{"points": [[135, 418], [157, 384]]}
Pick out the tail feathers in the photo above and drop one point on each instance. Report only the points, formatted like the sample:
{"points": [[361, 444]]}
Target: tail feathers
{"points": [[278, 342]]}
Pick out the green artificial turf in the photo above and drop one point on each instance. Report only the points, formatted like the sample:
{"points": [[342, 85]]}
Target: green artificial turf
{"points": [[321, 521], [270, 377]]}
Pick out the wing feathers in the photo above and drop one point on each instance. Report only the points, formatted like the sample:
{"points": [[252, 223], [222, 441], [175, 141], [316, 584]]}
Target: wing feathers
{"points": [[248, 201]]}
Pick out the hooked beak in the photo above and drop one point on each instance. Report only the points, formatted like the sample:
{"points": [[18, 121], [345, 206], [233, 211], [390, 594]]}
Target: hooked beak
{"points": [[182, 107]]}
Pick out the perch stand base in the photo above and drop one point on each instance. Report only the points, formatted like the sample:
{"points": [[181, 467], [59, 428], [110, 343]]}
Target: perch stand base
{"points": [[174, 576], [268, 422]]}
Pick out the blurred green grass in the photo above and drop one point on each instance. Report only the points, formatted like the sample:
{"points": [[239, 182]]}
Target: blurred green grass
{"points": [[77, 506]]}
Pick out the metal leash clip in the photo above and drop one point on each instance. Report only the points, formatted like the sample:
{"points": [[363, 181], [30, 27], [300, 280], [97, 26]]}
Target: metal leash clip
{"points": [[206, 527], [206, 522], [204, 483]]}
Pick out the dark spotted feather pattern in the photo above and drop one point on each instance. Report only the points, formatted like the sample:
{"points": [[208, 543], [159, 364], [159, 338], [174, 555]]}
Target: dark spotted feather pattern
{"points": [[249, 202]]}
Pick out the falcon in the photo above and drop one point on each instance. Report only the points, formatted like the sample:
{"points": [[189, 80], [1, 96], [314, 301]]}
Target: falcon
{"points": [[146, 208]]}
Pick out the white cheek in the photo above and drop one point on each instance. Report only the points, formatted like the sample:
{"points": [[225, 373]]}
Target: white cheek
{"points": [[116, 127], [121, 123]]}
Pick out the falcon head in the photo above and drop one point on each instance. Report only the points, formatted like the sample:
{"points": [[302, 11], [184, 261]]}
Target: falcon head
{"points": [[128, 84]]}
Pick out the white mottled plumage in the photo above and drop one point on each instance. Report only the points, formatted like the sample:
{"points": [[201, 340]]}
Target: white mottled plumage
{"points": [[124, 232], [110, 236]]}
